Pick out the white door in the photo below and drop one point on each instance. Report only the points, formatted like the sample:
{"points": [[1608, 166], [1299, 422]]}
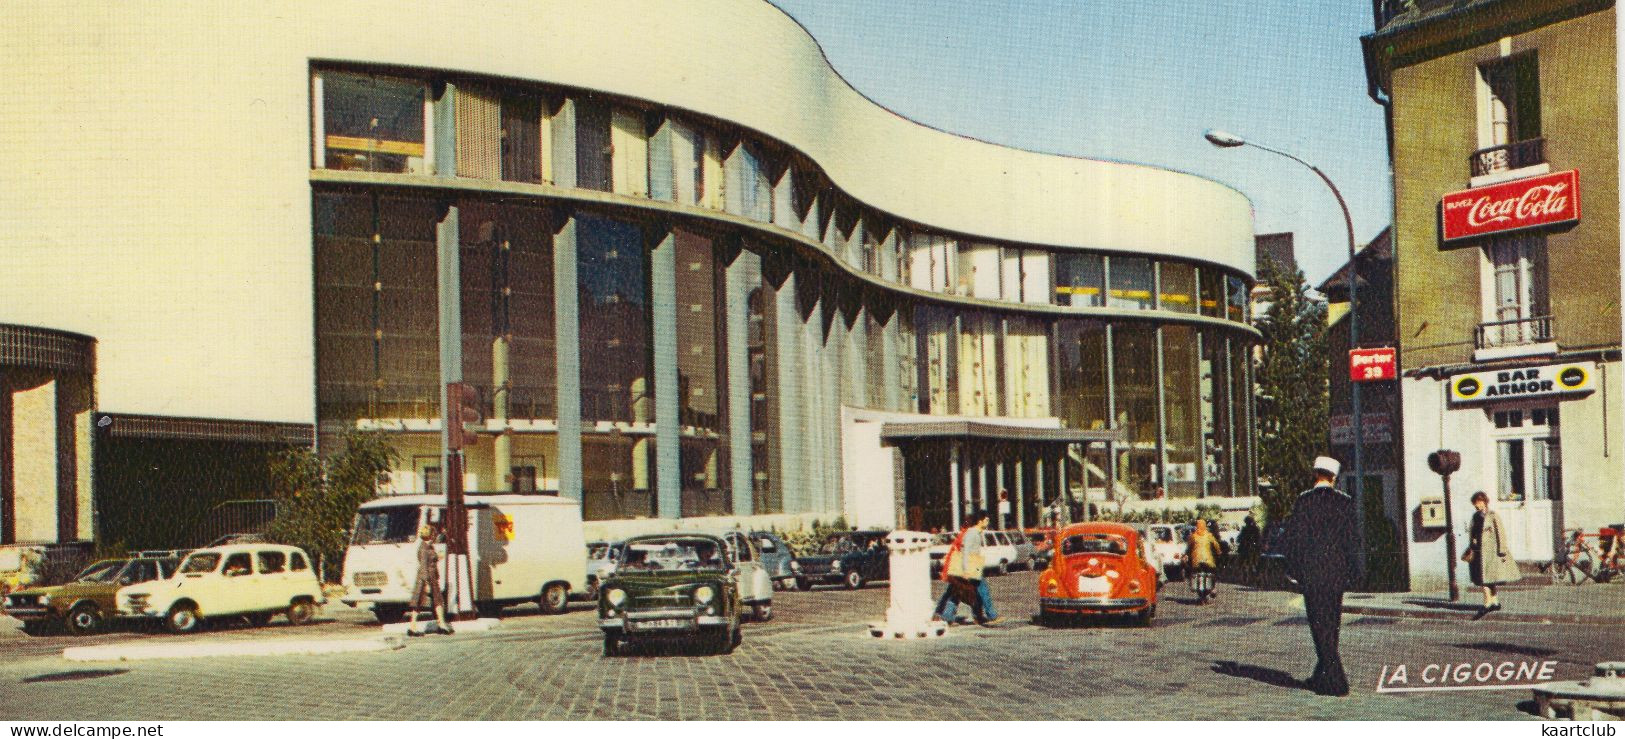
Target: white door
{"points": [[1528, 487], [235, 590], [275, 588]]}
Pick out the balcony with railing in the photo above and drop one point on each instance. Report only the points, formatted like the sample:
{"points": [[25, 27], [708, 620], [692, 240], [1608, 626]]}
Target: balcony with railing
{"points": [[1514, 338], [1507, 157]]}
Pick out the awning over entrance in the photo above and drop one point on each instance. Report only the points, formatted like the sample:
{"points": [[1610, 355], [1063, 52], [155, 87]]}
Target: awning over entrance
{"points": [[895, 434]]}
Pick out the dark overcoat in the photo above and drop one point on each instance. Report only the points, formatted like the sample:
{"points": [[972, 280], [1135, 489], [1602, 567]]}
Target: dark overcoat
{"points": [[1322, 542]]}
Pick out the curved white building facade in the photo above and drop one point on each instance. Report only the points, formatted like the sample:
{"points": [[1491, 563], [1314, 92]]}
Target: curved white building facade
{"points": [[681, 258]]}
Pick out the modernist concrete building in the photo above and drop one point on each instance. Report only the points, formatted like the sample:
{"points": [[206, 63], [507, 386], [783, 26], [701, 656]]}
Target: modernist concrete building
{"points": [[1503, 121], [693, 274]]}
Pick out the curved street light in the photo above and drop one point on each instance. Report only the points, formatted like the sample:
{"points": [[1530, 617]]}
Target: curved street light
{"points": [[1226, 140]]}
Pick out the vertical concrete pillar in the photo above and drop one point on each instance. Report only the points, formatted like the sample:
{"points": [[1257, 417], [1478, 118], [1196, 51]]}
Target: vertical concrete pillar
{"points": [[567, 343], [449, 291], [67, 466], [8, 478], [1019, 495], [445, 134], [829, 412], [788, 333], [1040, 492], [34, 467], [501, 386], [891, 366], [1065, 492], [668, 442], [736, 308], [955, 490], [564, 146]]}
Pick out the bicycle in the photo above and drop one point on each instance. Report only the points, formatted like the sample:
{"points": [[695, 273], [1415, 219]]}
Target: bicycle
{"points": [[1596, 557]]}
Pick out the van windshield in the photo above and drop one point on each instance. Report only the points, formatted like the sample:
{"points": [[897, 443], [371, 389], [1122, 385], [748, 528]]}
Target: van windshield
{"points": [[393, 525]]}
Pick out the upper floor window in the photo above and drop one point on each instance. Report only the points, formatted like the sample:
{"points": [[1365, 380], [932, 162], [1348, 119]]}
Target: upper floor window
{"points": [[370, 123], [1516, 305], [1508, 115], [1131, 282], [1080, 280]]}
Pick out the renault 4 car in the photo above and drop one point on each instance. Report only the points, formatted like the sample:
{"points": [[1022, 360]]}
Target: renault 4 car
{"points": [[671, 587], [258, 581]]}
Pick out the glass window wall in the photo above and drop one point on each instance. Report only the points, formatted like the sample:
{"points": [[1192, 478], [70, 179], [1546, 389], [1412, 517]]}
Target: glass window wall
{"points": [[701, 378], [1212, 293], [1182, 420], [1080, 280], [617, 397], [372, 123], [1131, 280], [1080, 393], [1134, 377], [1178, 290]]}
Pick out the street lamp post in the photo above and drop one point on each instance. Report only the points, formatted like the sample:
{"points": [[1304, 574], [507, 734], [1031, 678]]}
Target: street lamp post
{"points": [[1225, 140]]}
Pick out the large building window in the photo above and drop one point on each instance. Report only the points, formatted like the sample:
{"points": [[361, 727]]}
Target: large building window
{"points": [[701, 379], [941, 349], [1527, 460], [1213, 293], [371, 123], [1131, 279], [1517, 306], [1182, 420], [1080, 280], [765, 496], [1217, 410], [1134, 378], [346, 363], [595, 151], [1026, 368], [979, 364], [1508, 115], [617, 396], [1178, 290], [1080, 393]]}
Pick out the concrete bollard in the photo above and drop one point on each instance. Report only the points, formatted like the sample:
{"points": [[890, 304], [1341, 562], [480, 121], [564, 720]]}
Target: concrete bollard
{"points": [[1601, 698], [909, 616]]}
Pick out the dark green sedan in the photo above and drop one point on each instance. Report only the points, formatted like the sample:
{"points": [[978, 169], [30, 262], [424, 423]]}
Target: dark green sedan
{"points": [[673, 588], [84, 605]]}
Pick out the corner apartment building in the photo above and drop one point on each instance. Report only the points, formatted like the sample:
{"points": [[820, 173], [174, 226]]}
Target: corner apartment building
{"points": [[696, 277], [1503, 123]]}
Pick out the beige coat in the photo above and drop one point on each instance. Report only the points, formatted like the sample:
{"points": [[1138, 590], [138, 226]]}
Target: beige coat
{"points": [[1492, 562]]}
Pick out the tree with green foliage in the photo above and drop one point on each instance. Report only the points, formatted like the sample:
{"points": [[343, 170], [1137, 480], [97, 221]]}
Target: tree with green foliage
{"points": [[317, 498], [1293, 393]]}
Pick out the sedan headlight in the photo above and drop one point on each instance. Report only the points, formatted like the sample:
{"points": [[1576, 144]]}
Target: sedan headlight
{"points": [[45, 600], [794, 565], [704, 593], [835, 566], [615, 597]]}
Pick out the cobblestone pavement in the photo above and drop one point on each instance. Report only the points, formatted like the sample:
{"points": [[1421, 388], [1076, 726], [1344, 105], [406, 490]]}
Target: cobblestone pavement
{"points": [[1232, 659]]}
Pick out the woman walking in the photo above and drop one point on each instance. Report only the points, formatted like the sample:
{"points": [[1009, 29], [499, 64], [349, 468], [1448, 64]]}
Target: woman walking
{"points": [[1488, 555], [1202, 558]]}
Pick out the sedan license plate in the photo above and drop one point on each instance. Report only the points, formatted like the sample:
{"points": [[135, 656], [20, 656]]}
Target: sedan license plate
{"points": [[659, 623], [1094, 585]]}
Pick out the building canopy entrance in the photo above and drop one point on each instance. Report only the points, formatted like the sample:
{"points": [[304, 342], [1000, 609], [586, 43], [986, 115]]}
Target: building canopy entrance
{"points": [[1017, 473]]}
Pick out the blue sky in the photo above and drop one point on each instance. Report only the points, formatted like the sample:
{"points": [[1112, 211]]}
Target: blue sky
{"points": [[1140, 82]]}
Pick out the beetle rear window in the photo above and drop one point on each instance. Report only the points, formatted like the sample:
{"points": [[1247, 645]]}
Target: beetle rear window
{"points": [[1094, 544]]}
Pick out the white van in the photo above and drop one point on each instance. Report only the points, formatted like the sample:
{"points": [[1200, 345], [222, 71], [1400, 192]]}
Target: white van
{"points": [[522, 548]]}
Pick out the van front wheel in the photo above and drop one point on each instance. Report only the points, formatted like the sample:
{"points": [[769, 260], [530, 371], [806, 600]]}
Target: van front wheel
{"points": [[554, 598]]}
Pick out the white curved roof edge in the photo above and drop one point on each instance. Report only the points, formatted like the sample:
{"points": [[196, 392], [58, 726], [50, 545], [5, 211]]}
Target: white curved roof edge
{"points": [[747, 62]]}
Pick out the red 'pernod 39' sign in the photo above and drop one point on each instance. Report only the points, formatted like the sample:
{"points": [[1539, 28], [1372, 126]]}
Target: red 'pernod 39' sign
{"points": [[1510, 206]]}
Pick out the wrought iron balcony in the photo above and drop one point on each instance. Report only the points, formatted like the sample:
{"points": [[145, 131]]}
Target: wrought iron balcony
{"points": [[1516, 332], [1507, 157]]}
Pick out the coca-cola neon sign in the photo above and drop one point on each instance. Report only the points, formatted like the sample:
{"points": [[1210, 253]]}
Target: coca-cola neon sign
{"points": [[1547, 200]]}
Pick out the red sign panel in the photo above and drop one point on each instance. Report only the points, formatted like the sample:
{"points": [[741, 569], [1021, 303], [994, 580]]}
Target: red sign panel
{"points": [[1510, 206], [1371, 365]]}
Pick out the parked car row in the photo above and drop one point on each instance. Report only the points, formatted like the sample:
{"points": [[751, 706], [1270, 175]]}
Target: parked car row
{"points": [[1003, 551], [257, 581]]}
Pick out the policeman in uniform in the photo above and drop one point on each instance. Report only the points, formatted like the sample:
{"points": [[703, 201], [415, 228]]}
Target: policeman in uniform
{"points": [[1323, 553]]}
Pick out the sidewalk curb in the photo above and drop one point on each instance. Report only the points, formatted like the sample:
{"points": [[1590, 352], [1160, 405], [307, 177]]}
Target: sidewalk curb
{"points": [[275, 648], [1498, 616]]}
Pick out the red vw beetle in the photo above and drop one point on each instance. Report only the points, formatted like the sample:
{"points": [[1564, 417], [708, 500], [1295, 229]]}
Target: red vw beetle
{"points": [[1098, 568]]}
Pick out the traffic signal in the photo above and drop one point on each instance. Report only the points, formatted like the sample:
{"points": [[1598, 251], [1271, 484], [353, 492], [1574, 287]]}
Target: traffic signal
{"points": [[462, 408]]}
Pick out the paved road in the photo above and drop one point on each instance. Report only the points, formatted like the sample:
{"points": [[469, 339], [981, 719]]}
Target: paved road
{"points": [[1233, 659]]}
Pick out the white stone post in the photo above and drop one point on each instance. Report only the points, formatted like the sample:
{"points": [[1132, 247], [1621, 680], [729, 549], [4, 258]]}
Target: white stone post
{"points": [[909, 616]]}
